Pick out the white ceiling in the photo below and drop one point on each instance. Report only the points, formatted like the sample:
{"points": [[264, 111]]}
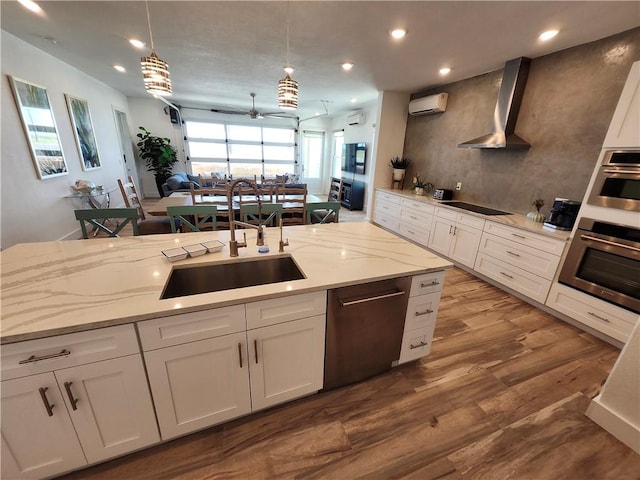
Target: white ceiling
{"points": [[220, 51]]}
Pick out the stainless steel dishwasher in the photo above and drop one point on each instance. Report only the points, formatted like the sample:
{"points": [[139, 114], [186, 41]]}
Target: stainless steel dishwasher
{"points": [[365, 324]]}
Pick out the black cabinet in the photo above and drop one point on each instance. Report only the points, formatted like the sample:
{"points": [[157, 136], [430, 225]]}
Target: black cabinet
{"points": [[352, 194]]}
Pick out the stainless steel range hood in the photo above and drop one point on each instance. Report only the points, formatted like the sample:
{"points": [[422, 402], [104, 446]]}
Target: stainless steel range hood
{"points": [[514, 79]]}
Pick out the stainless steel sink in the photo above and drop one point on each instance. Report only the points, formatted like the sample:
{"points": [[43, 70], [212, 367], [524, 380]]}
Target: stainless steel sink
{"points": [[476, 208], [226, 276]]}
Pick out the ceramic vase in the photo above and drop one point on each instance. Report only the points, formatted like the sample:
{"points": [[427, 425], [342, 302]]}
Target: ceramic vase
{"points": [[419, 191], [535, 217]]}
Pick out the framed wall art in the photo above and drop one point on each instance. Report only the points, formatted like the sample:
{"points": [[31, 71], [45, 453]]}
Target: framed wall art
{"points": [[39, 127], [83, 131]]}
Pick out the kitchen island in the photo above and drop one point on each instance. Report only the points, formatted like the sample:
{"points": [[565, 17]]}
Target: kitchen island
{"points": [[96, 365], [52, 288]]}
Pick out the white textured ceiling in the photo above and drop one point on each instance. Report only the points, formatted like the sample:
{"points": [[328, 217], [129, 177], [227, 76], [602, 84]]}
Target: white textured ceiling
{"points": [[220, 51]]}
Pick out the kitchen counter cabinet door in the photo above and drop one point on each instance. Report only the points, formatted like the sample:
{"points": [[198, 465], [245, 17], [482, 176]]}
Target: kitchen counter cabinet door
{"points": [[113, 414], [35, 444], [286, 360], [625, 124], [456, 235], [199, 384]]}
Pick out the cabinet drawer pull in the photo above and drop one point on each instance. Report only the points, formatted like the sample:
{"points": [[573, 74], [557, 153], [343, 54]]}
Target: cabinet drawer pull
{"points": [[45, 400], [240, 353], [513, 253], [426, 312], [518, 236], [506, 275], [370, 299], [72, 400], [606, 320], [420, 345], [411, 232], [450, 228], [63, 353], [255, 349], [432, 284], [413, 217]]}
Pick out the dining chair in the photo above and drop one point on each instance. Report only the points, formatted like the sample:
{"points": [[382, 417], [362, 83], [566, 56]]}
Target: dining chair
{"points": [[323, 212], [146, 225], [268, 214], [213, 196], [194, 217], [98, 218], [294, 203]]}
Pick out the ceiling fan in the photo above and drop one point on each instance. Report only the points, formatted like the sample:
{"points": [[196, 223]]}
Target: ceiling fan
{"points": [[254, 113]]}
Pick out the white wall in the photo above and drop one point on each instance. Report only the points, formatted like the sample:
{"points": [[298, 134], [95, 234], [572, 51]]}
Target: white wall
{"points": [[35, 210], [392, 109]]}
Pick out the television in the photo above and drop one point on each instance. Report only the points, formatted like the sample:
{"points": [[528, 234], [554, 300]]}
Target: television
{"points": [[354, 157]]}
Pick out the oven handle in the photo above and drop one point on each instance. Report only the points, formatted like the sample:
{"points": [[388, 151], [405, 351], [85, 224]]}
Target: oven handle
{"points": [[609, 242], [629, 171]]}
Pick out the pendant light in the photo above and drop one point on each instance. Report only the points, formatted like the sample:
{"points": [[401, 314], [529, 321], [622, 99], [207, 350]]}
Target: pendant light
{"points": [[288, 88], [154, 70]]}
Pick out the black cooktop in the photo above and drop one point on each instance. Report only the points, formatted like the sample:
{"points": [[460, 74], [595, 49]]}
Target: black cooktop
{"points": [[476, 208]]}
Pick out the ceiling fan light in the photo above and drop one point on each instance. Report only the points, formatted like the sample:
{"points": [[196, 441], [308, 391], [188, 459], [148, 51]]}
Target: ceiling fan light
{"points": [[288, 93], [155, 73]]}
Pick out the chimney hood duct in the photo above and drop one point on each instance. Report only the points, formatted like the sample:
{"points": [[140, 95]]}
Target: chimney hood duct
{"points": [[514, 79]]}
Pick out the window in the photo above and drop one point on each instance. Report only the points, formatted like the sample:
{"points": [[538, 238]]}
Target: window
{"points": [[240, 150]]}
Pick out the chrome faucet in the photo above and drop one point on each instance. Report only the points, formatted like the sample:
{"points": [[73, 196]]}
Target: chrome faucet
{"points": [[234, 245]]}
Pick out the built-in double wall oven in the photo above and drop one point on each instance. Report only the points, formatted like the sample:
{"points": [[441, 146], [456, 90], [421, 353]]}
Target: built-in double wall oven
{"points": [[617, 184], [604, 260]]}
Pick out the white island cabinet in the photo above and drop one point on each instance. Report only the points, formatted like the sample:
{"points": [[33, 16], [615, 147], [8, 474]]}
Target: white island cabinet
{"points": [[206, 368], [69, 394]]}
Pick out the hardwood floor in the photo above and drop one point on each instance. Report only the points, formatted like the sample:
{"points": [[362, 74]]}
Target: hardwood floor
{"points": [[501, 396]]}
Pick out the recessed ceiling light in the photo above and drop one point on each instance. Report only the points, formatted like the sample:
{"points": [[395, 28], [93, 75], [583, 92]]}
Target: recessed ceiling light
{"points": [[398, 33], [548, 35], [31, 5], [120, 68], [445, 71], [137, 43], [346, 66], [353, 99]]}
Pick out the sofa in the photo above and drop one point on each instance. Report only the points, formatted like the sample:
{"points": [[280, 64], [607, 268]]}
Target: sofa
{"points": [[179, 182]]}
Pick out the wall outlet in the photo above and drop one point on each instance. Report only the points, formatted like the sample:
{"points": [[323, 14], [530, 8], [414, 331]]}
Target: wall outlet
{"points": [[459, 186]]}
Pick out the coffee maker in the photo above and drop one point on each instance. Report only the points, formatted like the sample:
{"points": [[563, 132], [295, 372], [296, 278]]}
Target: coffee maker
{"points": [[563, 214]]}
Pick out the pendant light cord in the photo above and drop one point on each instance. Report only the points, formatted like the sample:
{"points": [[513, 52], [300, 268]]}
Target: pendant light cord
{"points": [[288, 64], [146, 3]]}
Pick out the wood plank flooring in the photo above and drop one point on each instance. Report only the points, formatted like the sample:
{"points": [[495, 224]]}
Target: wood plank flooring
{"points": [[501, 396]]}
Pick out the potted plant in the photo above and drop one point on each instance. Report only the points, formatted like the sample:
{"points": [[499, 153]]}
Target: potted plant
{"points": [[420, 186], [399, 165], [158, 154]]}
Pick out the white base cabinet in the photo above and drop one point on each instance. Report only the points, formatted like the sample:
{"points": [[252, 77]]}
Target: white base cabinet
{"points": [[456, 235], [55, 419], [604, 317], [34, 443], [212, 366], [420, 320], [286, 361], [199, 384]]}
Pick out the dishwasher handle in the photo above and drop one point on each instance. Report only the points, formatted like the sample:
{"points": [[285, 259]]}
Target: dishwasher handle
{"points": [[347, 303]]}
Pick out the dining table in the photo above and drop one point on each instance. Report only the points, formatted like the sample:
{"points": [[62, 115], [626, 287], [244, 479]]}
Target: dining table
{"points": [[179, 199]]}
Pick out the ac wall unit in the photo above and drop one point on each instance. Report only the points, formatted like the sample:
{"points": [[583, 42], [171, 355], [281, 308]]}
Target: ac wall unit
{"points": [[356, 119], [430, 104]]}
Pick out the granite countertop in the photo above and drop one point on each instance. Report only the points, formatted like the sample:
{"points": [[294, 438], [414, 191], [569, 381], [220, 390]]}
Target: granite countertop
{"points": [[512, 220], [52, 288]]}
